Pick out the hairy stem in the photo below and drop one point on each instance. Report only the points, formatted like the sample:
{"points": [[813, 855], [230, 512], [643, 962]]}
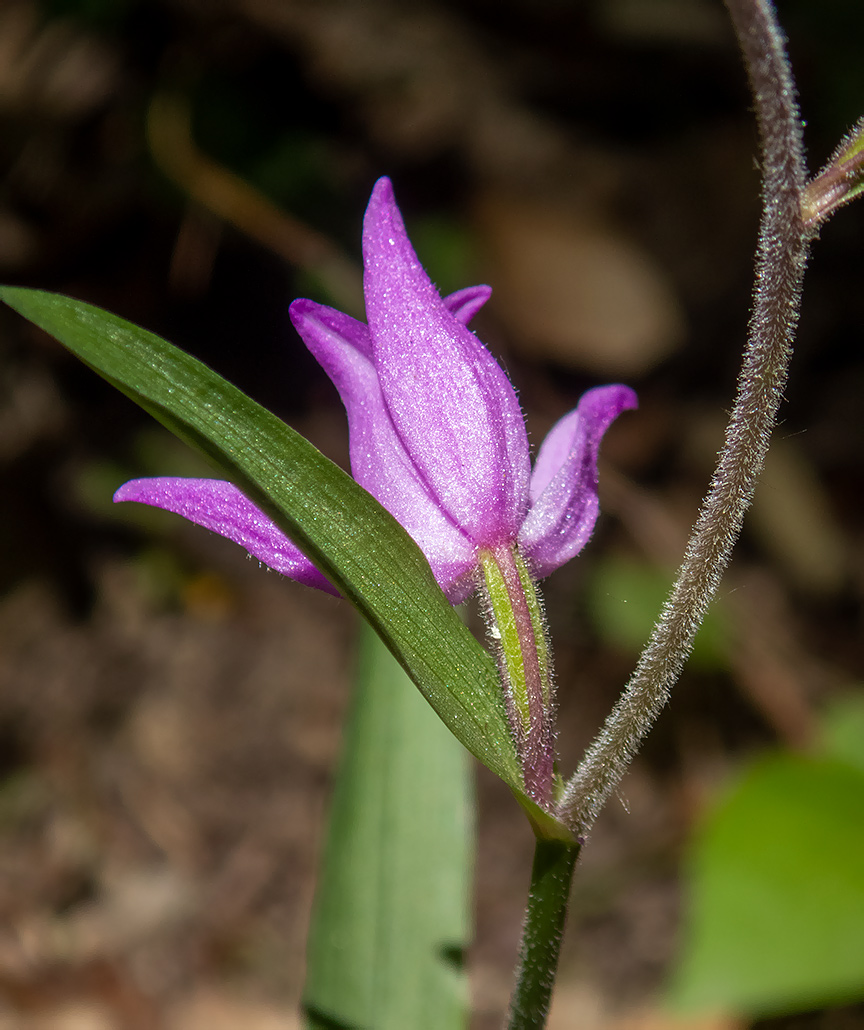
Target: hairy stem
{"points": [[551, 876], [781, 257]]}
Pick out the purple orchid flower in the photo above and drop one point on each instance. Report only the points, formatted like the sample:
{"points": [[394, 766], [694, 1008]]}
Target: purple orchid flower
{"points": [[436, 432]]}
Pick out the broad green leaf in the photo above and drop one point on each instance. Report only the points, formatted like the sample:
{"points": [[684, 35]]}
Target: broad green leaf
{"points": [[391, 917], [776, 884], [342, 528]]}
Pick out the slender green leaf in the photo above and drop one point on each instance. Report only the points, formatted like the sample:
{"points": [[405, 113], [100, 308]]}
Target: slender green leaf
{"points": [[776, 921], [391, 911], [349, 536]]}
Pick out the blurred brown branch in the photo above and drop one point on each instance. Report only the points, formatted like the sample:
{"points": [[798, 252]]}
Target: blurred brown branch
{"points": [[234, 200]]}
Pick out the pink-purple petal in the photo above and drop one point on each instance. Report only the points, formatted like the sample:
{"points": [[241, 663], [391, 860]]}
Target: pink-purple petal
{"points": [[222, 508], [464, 304], [564, 503], [452, 405], [379, 462], [436, 431]]}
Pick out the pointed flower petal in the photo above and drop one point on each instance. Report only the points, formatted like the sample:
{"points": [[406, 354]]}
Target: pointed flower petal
{"points": [[379, 462], [464, 304], [221, 507], [452, 405], [436, 432], [564, 503]]}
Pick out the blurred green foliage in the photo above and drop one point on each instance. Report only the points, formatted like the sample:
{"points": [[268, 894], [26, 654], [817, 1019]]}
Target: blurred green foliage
{"points": [[775, 879], [624, 598]]}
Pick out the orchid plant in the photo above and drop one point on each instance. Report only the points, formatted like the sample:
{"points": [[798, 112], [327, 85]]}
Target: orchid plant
{"points": [[444, 502], [438, 438]]}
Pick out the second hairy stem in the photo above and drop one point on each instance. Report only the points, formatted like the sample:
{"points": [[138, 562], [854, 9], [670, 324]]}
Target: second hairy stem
{"points": [[783, 243]]}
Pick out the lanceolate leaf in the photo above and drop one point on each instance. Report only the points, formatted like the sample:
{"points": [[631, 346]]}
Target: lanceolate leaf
{"points": [[391, 921], [349, 536]]}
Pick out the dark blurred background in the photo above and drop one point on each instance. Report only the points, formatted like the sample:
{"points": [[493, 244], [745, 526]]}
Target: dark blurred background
{"points": [[170, 713]]}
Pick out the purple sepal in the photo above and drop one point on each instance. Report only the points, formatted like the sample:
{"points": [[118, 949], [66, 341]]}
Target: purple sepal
{"points": [[436, 431], [379, 461], [563, 489], [451, 404], [222, 508]]}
